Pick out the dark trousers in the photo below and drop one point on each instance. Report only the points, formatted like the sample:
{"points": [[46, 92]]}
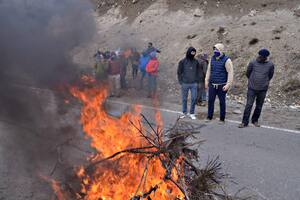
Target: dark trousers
{"points": [[134, 70], [214, 91], [253, 95], [185, 88]]}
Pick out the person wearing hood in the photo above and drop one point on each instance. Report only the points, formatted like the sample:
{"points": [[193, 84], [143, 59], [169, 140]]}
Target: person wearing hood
{"points": [[187, 73], [218, 80], [259, 73], [152, 70]]}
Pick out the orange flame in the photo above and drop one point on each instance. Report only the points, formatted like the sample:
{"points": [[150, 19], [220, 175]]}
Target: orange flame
{"points": [[56, 188], [118, 180]]}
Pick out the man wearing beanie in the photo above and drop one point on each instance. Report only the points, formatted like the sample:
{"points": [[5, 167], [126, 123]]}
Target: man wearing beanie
{"points": [[187, 73], [259, 73], [218, 80]]}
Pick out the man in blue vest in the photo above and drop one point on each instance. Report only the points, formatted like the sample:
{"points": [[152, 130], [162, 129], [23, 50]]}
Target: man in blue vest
{"points": [[218, 80]]}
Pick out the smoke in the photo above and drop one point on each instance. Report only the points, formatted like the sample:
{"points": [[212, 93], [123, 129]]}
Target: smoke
{"points": [[36, 37], [35, 40]]}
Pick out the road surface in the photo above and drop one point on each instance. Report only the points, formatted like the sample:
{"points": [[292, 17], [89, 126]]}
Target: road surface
{"points": [[266, 161]]}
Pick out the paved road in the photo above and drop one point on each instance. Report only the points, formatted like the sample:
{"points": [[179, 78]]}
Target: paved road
{"points": [[264, 160]]}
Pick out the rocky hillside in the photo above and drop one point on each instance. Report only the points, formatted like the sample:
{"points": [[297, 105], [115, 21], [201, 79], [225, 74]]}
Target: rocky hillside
{"points": [[243, 26]]}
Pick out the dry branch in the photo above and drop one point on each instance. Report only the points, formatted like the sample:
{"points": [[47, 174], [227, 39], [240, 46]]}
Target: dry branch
{"points": [[174, 152]]}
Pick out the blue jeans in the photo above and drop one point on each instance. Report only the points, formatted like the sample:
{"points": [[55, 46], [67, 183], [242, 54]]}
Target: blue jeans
{"points": [[259, 97], [185, 88], [151, 85], [212, 93]]}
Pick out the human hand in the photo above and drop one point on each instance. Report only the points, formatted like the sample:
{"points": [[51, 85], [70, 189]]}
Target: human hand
{"points": [[226, 88]]}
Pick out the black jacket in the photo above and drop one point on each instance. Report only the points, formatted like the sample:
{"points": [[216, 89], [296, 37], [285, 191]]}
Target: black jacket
{"points": [[188, 69], [259, 73], [202, 69]]}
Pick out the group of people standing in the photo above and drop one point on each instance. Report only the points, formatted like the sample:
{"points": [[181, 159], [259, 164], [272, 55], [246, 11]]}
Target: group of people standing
{"points": [[112, 67], [196, 76]]}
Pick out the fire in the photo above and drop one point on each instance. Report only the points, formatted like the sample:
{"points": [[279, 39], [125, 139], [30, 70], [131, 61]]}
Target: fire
{"points": [[56, 188], [118, 179]]}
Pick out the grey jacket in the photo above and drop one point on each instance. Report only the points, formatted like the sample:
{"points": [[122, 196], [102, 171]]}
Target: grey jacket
{"points": [[259, 74]]}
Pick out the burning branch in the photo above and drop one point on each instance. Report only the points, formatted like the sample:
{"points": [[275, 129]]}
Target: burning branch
{"points": [[161, 165]]}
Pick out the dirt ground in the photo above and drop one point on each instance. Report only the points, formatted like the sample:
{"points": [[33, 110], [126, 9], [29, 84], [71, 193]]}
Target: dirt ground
{"points": [[243, 26]]}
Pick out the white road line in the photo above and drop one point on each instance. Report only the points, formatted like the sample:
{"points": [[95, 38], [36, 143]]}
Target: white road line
{"points": [[178, 112], [173, 111]]}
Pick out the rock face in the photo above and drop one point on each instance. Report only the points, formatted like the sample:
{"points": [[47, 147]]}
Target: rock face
{"points": [[243, 26]]}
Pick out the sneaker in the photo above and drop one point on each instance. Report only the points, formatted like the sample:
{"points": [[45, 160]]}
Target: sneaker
{"points": [[193, 116], [256, 124], [182, 116], [222, 121], [242, 125], [208, 119]]}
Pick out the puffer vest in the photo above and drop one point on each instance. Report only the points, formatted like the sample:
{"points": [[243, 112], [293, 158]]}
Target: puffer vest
{"points": [[218, 74]]}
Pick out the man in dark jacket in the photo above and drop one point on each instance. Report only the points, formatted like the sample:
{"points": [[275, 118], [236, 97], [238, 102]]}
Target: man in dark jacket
{"points": [[259, 74], [187, 72]]}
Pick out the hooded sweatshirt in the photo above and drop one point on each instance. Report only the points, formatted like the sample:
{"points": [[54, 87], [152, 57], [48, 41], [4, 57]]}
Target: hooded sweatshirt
{"points": [[228, 67], [188, 68]]}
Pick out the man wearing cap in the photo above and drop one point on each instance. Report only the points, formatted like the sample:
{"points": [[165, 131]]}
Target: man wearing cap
{"points": [[259, 73], [218, 80]]}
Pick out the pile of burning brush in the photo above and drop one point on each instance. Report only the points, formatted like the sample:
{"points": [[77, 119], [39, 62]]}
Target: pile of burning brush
{"points": [[138, 160]]}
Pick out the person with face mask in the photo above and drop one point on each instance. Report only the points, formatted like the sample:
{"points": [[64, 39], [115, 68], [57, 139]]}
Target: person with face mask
{"points": [[218, 80], [187, 73]]}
